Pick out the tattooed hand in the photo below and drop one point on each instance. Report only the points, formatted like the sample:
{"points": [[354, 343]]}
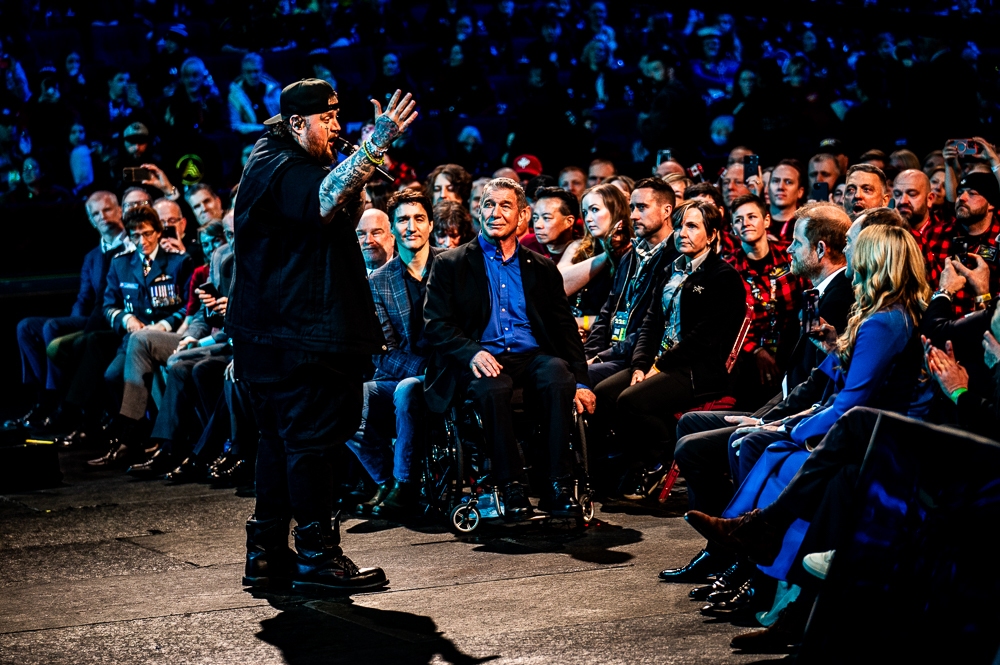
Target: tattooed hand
{"points": [[397, 117], [347, 178]]}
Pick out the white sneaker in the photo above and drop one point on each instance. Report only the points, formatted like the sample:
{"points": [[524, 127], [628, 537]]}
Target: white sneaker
{"points": [[818, 563]]}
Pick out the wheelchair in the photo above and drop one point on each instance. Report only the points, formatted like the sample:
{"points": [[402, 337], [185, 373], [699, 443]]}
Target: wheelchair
{"points": [[456, 474]]}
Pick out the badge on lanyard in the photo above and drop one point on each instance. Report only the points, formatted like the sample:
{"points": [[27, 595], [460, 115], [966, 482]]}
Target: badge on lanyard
{"points": [[619, 326], [771, 343], [988, 252]]}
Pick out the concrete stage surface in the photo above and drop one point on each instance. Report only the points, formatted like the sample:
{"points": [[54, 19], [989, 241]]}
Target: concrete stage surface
{"points": [[106, 569]]}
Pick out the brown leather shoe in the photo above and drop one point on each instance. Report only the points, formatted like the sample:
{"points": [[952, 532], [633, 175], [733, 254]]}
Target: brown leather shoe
{"points": [[749, 533]]}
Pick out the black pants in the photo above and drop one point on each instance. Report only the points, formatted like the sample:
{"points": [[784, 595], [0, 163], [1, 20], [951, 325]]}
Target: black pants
{"points": [[89, 357], [549, 384], [303, 419], [702, 454], [643, 415]]}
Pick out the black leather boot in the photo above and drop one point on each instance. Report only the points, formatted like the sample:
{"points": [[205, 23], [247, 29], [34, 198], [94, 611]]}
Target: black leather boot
{"points": [[321, 565], [366, 507], [559, 500], [399, 502], [270, 561], [189, 471]]}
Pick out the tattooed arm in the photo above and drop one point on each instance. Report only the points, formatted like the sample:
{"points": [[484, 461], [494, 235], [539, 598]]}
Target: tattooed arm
{"points": [[346, 180]]}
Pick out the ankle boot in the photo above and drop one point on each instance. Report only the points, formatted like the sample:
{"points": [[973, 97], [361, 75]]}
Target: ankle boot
{"points": [[269, 559], [399, 502], [380, 493], [321, 565]]}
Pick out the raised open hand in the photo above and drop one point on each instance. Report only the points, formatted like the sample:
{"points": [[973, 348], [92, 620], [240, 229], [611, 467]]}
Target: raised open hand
{"points": [[399, 113]]}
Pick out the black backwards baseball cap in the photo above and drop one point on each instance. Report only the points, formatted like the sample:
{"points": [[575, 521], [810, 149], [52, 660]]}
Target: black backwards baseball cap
{"points": [[305, 97], [984, 184]]}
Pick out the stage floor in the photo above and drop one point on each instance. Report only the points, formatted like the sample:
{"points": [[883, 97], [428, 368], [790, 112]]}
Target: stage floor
{"points": [[110, 570]]}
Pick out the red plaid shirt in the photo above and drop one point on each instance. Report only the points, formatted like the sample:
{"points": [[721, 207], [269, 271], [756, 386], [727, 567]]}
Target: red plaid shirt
{"points": [[938, 239], [776, 297]]}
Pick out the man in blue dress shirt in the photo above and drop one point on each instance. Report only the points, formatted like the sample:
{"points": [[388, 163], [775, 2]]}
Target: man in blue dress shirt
{"points": [[497, 317]]}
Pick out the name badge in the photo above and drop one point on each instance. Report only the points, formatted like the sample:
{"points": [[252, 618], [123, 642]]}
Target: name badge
{"points": [[771, 343], [619, 327], [127, 285], [988, 252]]}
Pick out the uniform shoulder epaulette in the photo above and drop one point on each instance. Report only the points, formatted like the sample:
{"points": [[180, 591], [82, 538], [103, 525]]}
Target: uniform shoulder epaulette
{"points": [[124, 252]]}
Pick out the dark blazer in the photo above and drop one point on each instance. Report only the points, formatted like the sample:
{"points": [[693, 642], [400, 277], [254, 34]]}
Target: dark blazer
{"points": [[599, 338], [834, 307], [713, 306], [393, 306], [966, 335], [92, 275], [457, 311], [128, 290]]}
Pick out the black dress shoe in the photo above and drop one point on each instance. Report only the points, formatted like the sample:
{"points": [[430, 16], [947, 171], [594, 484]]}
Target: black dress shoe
{"points": [[698, 570], [781, 636], [75, 439], [158, 464], [735, 599], [645, 483], [118, 455], [26, 420], [516, 506], [400, 502], [189, 471], [236, 471], [380, 492], [560, 502], [731, 579]]}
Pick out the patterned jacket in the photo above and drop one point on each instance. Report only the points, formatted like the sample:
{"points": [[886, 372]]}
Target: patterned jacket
{"points": [[938, 245], [776, 297], [394, 309]]}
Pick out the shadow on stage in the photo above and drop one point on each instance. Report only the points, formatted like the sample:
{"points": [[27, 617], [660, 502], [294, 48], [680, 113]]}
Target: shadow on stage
{"points": [[337, 630]]}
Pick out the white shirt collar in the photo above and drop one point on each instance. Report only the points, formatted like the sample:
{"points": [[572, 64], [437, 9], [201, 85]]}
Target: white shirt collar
{"points": [[152, 257], [821, 287]]}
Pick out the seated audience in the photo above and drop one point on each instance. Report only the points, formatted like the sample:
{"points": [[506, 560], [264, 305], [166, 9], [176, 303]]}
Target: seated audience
{"points": [[486, 341], [143, 304], [682, 347], [375, 237], [553, 217], [394, 399], [614, 333]]}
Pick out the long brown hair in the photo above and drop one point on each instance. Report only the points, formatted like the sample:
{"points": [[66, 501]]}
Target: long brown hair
{"points": [[617, 204], [888, 270]]}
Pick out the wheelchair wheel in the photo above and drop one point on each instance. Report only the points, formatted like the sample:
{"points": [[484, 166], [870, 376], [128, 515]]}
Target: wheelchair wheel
{"points": [[465, 519], [587, 503]]}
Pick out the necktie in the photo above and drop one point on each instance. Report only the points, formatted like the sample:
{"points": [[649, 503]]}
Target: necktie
{"points": [[147, 265]]}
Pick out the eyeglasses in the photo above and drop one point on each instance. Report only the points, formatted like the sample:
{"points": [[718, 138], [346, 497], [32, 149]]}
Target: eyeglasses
{"points": [[145, 235], [132, 204], [171, 221]]}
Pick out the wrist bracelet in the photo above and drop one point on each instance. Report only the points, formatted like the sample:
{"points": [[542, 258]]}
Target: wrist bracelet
{"points": [[942, 293], [996, 168], [956, 393], [370, 155], [983, 299]]}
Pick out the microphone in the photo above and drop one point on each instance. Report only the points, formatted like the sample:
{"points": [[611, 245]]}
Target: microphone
{"points": [[344, 147]]}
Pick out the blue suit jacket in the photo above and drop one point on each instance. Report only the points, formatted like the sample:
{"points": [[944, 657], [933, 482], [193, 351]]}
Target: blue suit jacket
{"points": [[129, 291], [91, 278], [393, 306]]}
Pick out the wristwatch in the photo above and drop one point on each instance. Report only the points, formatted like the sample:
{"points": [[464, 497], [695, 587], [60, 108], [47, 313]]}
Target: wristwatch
{"points": [[942, 293]]}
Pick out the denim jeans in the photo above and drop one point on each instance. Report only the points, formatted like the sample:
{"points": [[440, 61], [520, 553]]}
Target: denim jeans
{"points": [[391, 408]]}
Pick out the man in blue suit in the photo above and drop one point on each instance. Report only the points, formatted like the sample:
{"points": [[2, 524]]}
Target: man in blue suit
{"points": [[35, 334], [398, 289], [146, 291]]}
